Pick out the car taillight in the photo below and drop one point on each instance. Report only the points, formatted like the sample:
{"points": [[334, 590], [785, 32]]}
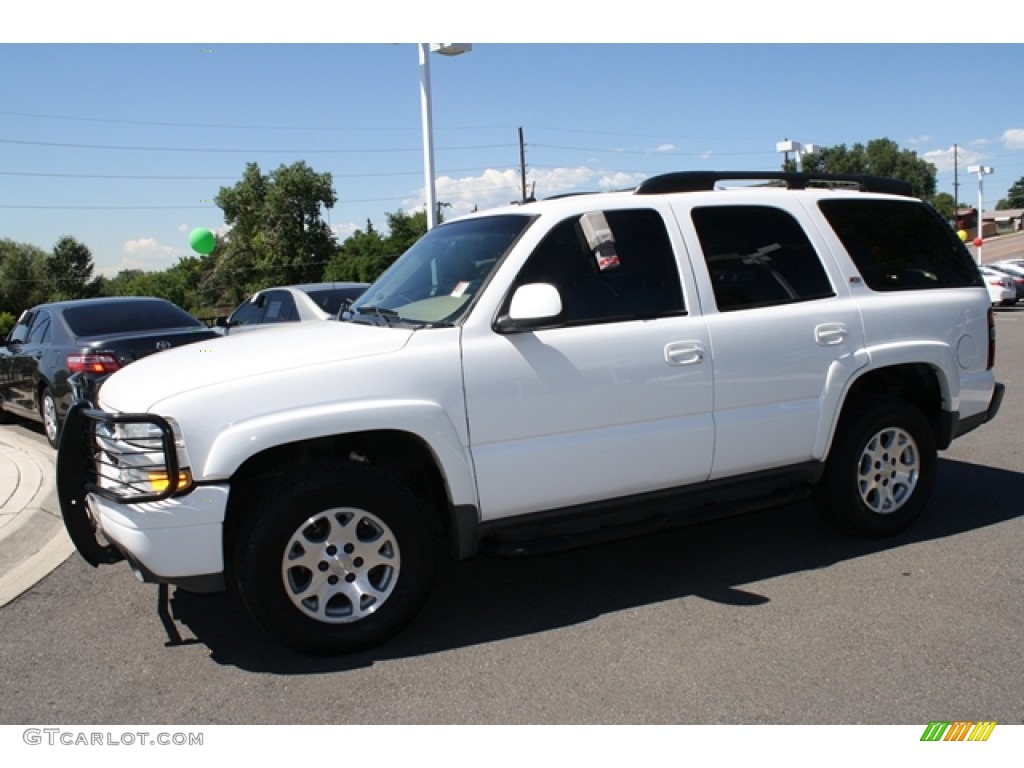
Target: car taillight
{"points": [[96, 364]]}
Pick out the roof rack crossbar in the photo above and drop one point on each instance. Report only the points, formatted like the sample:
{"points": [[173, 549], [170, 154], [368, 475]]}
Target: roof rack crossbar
{"points": [[705, 181]]}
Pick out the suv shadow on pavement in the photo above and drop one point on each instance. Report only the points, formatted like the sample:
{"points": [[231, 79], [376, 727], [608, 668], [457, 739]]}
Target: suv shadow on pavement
{"points": [[486, 600]]}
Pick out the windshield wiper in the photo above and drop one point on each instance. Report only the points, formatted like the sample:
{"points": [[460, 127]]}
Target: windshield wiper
{"points": [[382, 312]]}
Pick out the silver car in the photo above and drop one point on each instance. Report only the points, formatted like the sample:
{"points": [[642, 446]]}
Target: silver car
{"points": [[292, 304]]}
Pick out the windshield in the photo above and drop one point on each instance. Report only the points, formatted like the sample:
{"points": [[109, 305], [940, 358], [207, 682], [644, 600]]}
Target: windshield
{"points": [[433, 283]]}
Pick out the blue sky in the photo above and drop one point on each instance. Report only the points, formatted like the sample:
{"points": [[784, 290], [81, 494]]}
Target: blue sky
{"points": [[124, 145]]}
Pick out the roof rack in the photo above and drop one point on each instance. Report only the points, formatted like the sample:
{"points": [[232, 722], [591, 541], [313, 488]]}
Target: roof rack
{"points": [[704, 181]]}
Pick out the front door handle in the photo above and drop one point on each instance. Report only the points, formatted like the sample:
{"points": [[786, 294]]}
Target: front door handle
{"points": [[684, 352]]}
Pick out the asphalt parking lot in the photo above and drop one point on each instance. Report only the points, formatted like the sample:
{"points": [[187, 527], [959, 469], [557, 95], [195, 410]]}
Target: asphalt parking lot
{"points": [[766, 618]]}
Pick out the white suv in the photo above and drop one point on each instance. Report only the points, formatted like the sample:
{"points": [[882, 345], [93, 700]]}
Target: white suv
{"points": [[541, 376]]}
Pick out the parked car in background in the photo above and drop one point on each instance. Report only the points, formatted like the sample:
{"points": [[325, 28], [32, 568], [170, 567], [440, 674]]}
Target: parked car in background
{"points": [[1012, 270], [292, 304], [1000, 287], [93, 337]]}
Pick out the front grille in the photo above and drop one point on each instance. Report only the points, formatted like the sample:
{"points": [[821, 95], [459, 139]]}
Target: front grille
{"points": [[133, 457]]}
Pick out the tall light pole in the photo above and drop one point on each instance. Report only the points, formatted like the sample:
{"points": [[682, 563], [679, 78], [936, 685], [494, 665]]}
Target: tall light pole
{"points": [[446, 49], [982, 171]]}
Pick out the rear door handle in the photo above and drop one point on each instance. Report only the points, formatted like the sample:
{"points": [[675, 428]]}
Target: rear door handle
{"points": [[830, 334]]}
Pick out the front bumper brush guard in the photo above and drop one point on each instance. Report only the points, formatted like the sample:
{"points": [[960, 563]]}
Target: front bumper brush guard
{"points": [[76, 476]]}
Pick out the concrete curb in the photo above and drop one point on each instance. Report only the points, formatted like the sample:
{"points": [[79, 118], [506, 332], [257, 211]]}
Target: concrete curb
{"points": [[33, 540]]}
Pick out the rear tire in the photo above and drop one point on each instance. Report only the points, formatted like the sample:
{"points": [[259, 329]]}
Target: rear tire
{"points": [[881, 470], [336, 559]]}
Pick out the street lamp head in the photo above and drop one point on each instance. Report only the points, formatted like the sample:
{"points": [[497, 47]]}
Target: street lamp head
{"points": [[981, 170], [451, 49]]}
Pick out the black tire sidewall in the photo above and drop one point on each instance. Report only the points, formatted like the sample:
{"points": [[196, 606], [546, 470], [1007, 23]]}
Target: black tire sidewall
{"points": [[275, 518], [838, 495]]}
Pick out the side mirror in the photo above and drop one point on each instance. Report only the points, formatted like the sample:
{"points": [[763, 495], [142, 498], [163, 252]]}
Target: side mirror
{"points": [[533, 306]]}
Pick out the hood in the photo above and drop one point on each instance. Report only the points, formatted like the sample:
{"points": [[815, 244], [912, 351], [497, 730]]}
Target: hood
{"points": [[234, 358]]}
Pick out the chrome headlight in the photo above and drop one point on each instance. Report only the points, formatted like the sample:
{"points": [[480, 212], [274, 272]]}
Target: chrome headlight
{"points": [[140, 456]]}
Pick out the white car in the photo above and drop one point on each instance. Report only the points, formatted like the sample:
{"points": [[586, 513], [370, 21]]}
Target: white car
{"points": [[1000, 287], [1012, 269], [292, 304]]}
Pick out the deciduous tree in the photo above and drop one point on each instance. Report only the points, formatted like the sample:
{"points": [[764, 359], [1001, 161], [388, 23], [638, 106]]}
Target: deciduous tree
{"points": [[880, 157], [69, 269], [1014, 197], [22, 276], [278, 234]]}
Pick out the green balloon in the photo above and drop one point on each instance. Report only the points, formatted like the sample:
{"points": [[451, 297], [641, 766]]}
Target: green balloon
{"points": [[202, 240]]}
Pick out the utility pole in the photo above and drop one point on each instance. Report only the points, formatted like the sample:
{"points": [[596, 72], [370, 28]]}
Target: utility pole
{"points": [[522, 163], [956, 182]]}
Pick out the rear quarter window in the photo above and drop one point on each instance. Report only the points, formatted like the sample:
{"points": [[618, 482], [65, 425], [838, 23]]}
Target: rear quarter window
{"points": [[900, 245], [331, 299]]}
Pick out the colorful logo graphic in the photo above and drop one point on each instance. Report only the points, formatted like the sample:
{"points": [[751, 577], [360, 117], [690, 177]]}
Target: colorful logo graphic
{"points": [[958, 730]]}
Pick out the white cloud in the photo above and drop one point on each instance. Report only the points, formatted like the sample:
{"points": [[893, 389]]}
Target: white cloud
{"points": [[344, 231], [1013, 138], [944, 160], [665, 148], [620, 180], [147, 254], [914, 140], [496, 187], [147, 246]]}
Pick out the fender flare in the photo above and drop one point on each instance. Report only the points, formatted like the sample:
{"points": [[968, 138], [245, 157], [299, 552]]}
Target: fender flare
{"points": [[425, 420]]}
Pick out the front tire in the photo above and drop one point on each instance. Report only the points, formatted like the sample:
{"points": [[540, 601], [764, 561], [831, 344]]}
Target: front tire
{"points": [[335, 560], [881, 470], [48, 414]]}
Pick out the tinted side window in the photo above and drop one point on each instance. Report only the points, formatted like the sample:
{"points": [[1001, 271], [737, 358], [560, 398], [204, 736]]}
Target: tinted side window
{"points": [[758, 256], [280, 308], [632, 274], [249, 313], [19, 333], [40, 329], [900, 246]]}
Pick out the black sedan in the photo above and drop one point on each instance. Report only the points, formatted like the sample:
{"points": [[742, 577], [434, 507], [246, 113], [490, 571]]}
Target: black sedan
{"points": [[93, 337]]}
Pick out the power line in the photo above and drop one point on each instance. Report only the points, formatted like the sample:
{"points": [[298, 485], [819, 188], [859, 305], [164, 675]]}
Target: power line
{"points": [[168, 124], [102, 207], [656, 152], [209, 178], [122, 147]]}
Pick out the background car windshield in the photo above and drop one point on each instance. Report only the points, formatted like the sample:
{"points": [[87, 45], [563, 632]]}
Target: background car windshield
{"points": [[126, 317], [435, 280]]}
